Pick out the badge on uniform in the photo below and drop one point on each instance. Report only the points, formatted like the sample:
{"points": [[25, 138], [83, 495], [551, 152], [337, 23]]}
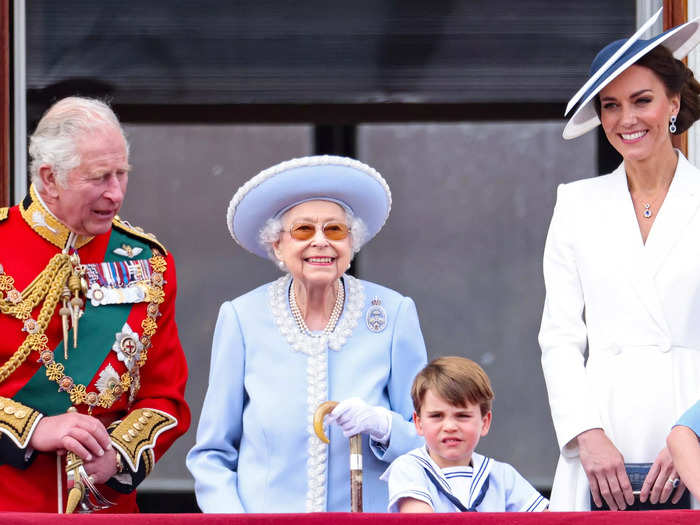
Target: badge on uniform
{"points": [[128, 251], [118, 282], [127, 346], [376, 316]]}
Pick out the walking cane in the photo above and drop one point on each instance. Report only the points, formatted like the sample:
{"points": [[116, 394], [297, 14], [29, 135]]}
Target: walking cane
{"points": [[355, 455]]}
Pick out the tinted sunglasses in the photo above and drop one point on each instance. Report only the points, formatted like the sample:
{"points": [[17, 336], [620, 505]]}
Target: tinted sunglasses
{"points": [[334, 231]]}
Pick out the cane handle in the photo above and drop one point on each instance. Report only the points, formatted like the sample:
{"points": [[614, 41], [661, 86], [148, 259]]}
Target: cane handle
{"points": [[321, 412]]}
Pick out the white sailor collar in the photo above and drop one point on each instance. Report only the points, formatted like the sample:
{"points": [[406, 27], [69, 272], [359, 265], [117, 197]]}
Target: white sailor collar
{"points": [[480, 469]]}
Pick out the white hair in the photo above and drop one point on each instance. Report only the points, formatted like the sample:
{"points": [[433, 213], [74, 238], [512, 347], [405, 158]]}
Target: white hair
{"points": [[271, 232], [53, 142]]}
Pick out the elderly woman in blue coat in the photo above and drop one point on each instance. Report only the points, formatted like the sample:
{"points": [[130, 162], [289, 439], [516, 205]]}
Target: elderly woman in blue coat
{"points": [[312, 335]]}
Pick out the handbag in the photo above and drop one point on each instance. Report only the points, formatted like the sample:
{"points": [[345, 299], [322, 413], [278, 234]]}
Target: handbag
{"points": [[637, 473]]}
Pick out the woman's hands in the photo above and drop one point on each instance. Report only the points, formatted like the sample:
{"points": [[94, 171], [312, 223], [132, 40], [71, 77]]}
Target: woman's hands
{"points": [[354, 416], [605, 469], [684, 447], [659, 483]]}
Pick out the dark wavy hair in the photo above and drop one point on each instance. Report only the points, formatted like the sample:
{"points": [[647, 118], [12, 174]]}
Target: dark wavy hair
{"points": [[678, 79]]}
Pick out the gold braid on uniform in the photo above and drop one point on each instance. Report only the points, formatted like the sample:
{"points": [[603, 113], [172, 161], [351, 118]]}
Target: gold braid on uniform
{"points": [[47, 286], [63, 270], [136, 435], [17, 421]]}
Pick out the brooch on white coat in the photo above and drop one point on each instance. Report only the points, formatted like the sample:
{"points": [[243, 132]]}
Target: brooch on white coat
{"points": [[376, 316]]}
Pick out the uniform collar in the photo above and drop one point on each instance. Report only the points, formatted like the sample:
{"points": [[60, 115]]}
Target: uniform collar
{"points": [[40, 219]]}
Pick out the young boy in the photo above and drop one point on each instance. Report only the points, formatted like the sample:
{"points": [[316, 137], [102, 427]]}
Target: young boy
{"points": [[452, 401]]}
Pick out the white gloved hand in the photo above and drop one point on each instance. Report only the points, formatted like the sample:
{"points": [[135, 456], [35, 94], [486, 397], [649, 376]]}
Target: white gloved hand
{"points": [[354, 416]]}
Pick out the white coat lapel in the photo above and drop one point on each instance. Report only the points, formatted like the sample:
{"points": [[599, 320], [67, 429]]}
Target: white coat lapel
{"points": [[680, 206], [630, 254]]}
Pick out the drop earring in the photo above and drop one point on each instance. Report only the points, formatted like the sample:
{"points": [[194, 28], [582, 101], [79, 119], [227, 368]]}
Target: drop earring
{"points": [[672, 126]]}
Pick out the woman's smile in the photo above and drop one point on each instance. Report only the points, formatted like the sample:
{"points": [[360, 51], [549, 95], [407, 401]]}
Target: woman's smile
{"points": [[320, 261]]}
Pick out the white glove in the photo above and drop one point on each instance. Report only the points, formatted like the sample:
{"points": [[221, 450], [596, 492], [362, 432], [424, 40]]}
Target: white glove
{"points": [[354, 416]]}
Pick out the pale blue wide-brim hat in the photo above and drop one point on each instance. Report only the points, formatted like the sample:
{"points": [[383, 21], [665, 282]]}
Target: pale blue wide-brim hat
{"points": [[615, 58], [275, 190]]}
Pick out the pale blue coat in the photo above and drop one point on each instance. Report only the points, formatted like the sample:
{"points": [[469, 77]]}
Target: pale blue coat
{"points": [[251, 450]]}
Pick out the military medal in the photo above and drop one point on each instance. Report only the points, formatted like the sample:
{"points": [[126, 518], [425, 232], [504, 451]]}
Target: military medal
{"points": [[127, 346], [118, 282]]}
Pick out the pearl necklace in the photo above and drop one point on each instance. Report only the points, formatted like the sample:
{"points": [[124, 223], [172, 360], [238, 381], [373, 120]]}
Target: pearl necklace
{"points": [[335, 313]]}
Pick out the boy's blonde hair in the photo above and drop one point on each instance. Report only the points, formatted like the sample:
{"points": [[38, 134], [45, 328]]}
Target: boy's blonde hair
{"points": [[457, 380]]}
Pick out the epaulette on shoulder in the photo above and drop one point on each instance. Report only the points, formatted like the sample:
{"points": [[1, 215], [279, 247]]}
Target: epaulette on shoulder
{"points": [[136, 231], [4, 214]]}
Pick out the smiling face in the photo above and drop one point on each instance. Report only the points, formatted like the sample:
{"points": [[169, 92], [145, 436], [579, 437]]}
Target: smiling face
{"points": [[94, 191], [451, 432], [635, 111], [316, 261]]}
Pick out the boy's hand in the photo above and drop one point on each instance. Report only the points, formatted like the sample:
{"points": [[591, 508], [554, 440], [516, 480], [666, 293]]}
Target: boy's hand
{"points": [[605, 468]]}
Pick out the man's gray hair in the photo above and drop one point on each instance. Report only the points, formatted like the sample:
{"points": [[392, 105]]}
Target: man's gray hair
{"points": [[272, 230], [53, 143]]}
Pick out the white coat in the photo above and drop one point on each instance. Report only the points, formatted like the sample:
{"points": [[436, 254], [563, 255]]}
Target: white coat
{"points": [[636, 307]]}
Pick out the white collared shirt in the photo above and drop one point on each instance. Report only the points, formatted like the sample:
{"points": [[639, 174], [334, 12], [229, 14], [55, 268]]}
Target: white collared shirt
{"points": [[507, 490]]}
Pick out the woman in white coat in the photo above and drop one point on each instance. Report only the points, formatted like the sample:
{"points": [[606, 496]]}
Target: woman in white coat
{"points": [[621, 267], [314, 334]]}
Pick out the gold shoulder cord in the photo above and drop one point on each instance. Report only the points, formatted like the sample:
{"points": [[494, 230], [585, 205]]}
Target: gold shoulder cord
{"points": [[47, 286]]}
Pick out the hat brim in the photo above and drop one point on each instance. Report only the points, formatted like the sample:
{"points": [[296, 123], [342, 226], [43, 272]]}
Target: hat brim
{"points": [[277, 189], [679, 41]]}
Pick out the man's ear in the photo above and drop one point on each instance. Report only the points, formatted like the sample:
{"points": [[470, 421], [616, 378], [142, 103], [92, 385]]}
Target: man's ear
{"points": [[49, 180]]}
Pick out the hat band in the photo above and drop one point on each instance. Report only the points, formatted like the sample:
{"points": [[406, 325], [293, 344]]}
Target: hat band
{"points": [[338, 202]]}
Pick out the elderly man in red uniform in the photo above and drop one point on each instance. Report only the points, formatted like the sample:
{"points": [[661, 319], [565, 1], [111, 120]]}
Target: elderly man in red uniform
{"points": [[92, 373]]}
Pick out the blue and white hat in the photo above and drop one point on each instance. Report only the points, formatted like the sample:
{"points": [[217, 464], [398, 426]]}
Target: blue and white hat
{"points": [[275, 190], [615, 58]]}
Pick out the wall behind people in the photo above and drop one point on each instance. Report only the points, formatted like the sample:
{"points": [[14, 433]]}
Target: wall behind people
{"points": [[472, 204], [471, 208]]}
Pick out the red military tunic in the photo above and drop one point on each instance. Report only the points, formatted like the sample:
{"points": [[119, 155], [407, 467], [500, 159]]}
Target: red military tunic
{"points": [[128, 369]]}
